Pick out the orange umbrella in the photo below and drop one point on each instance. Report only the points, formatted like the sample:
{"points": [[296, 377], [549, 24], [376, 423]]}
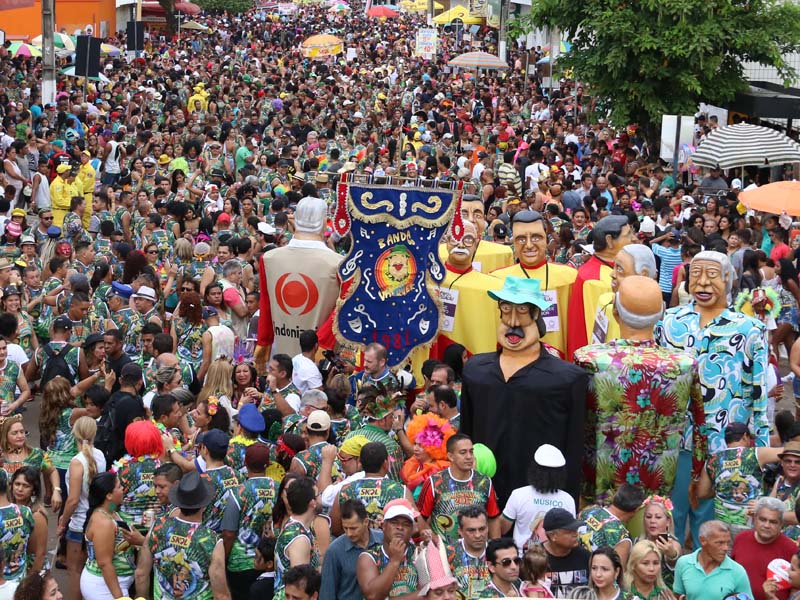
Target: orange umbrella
{"points": [[382, 11], [776, 198]]}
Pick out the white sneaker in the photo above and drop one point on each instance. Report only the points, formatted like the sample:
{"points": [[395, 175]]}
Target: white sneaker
{"points": [[788, 378]]}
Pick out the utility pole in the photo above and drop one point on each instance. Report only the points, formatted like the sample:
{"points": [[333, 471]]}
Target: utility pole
{"points": [[48, 52], [501, 35]]}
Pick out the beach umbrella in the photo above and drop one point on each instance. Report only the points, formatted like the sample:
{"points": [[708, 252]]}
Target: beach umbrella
{"points": [[744, 145], [194, 26], [382, 11], [775, 198], [60, 40], [457, 12], [478, 60], [109, 50], [322, 46], [70, 72], [341, 7], [22, 49]]}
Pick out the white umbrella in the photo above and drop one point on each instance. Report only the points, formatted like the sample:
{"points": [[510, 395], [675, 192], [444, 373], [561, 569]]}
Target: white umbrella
{"points": [[744, 145], [70, 72]]}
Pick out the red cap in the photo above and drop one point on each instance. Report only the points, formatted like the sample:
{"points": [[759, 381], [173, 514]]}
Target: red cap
{"points": [[224, 218]]}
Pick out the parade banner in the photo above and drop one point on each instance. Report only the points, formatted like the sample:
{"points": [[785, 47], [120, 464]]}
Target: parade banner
{"points": [[426, 43], [393, 267]]}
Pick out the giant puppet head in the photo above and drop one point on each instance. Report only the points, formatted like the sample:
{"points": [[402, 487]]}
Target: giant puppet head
{"points": [[521, 303], [472, 209], [633, 259], [530, 238], [638, 306], [460, 253], [610, 235], [710, 281]]}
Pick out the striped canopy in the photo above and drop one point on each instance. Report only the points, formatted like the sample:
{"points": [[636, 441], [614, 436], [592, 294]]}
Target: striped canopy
{"points": [[744, 145], [478, 60]]}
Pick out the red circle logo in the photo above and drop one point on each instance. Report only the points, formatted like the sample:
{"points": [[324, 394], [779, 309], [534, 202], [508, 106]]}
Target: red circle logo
{"points": [[296, 294]]}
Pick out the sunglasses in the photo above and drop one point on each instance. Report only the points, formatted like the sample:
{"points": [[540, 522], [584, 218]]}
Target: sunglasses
{"points": [[506, 562], [152, 251], [46, 218], [187, 289]]}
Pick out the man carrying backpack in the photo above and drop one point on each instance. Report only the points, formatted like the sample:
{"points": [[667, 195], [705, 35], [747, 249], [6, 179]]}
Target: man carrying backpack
{"points": [[123, 408], [58, 356]]}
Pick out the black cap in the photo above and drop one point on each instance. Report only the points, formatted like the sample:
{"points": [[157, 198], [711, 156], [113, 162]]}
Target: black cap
{"points": [[559, 518], [736, 429], [62, 323]]}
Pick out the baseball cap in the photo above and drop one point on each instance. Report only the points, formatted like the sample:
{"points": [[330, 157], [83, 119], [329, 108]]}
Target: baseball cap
{"points": [[358, 115], [318, 420], [224, 218], [548, 455], [215, 440], [62, 323], [256, 456], [735, 429], [18, 212], [559, 518], [131, 371], [399, 507], [209, 311]]}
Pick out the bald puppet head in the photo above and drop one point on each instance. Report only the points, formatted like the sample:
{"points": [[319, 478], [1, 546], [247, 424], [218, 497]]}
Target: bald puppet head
{"points": [[638, 305]]}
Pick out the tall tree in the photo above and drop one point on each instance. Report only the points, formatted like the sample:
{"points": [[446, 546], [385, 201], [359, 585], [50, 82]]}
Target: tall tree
{"points": [[646, 58]]}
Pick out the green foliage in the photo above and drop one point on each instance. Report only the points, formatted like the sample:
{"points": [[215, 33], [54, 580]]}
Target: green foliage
{"points": [[232, 6], [646, 58]]}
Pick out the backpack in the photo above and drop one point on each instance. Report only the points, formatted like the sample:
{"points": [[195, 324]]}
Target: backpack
{"points": [[56, 364], [104, 438]]}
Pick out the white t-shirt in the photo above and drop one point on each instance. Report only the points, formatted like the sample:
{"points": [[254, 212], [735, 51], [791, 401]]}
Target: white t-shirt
{"points": [[305, 374], [17, 354], [533, 172], [7, 590], [525, 505]]}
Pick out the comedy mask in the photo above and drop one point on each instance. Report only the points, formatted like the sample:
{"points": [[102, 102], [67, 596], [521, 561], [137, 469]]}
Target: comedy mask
{"points": [[710, 280], [472, 210], [460, 254], [520, 302], [530, 238]]}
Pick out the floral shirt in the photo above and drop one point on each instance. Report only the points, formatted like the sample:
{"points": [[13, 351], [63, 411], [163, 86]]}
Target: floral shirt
{"points": [[181, 558], [472, 572], [602, 528], [788, 493], [736, 477], [136, 478], [406, 579], [190, 341], [253, 503], [374, 493], [293, 530], [123, 561], [640, 399], [224, 480], [37, 458], [16, 527], [732, 362]]}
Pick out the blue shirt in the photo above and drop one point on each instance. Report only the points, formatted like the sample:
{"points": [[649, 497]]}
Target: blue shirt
{"points": [[339, 568], [728, 578], [670, 258], [732, 362]]}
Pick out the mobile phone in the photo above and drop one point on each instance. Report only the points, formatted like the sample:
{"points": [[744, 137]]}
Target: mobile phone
{"points": [[124, 525], [664, 537]]}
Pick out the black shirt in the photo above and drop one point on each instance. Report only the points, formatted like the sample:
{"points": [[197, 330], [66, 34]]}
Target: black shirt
{"points": [[543, 403], [116, 365], [568, 572]]}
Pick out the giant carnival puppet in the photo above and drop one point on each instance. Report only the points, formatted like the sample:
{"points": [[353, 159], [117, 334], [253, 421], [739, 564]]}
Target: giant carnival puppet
{"points": [[298, 284], [732, 364], [522, 397], [609, 236], [530, 248], [640, 398]]}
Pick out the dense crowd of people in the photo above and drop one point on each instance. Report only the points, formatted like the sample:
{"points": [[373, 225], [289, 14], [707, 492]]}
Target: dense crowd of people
{"points": [[135, 214]]}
